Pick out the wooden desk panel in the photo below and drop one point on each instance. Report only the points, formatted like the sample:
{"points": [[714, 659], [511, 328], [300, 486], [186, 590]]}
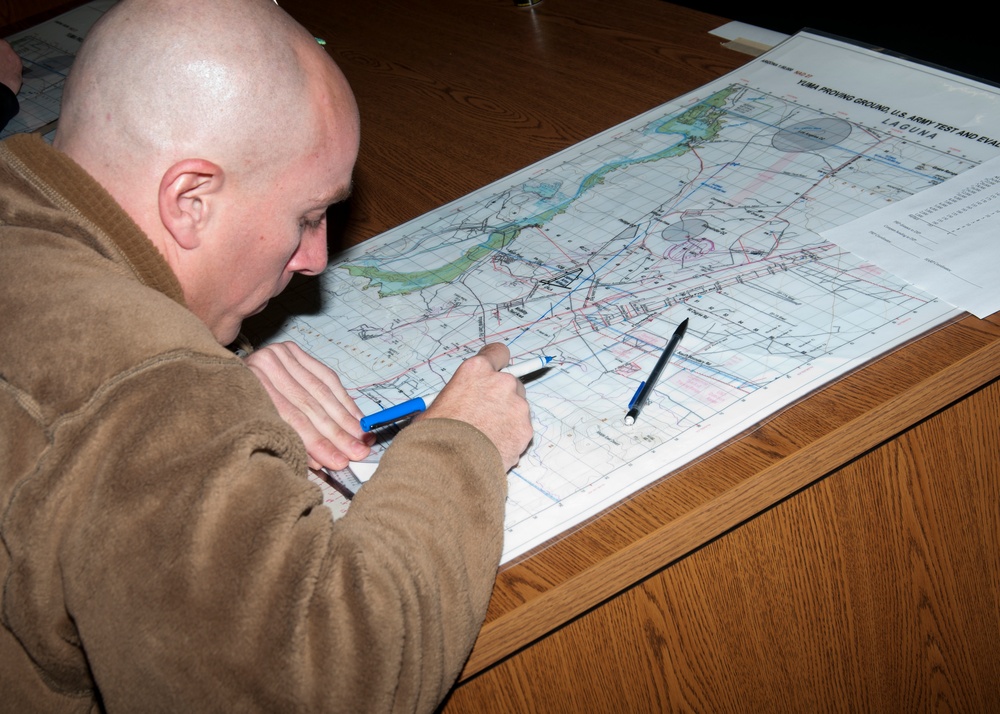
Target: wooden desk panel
{"points": [[875, 589]]}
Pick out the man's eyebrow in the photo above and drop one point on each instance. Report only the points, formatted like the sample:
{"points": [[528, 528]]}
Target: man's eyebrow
{"points": [[340, 195]]}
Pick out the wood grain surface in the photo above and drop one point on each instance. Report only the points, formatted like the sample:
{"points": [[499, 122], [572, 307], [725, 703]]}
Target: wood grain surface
{"points": [[877, 589]]}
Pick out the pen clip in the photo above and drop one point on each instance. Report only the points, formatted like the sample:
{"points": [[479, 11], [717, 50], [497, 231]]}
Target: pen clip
{"points": [[635, 397]]}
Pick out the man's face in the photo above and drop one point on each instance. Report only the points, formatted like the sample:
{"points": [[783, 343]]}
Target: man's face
{"points": [[277, 230]]}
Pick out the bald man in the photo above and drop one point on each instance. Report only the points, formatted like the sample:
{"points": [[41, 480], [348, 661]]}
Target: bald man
{"points": [[162, 546]]}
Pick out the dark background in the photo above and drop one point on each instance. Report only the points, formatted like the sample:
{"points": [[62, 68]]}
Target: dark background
{"points": [[954, 35]]}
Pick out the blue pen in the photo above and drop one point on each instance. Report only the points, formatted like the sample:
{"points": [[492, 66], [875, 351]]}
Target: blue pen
{"points": [[646, 388], [414, 406]]}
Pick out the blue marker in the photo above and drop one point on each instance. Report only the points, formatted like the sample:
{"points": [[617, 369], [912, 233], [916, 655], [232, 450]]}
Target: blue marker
{"points": [[415, 406]]}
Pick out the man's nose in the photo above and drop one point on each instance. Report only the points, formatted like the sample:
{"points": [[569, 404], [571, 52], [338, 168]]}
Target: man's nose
{"points": [[311, 257]]}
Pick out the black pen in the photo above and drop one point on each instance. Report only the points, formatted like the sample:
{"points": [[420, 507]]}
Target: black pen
{"points": [[646, 388]]}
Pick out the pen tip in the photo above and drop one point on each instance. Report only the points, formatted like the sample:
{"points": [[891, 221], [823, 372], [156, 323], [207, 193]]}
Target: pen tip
{"points": [[548, 359]]}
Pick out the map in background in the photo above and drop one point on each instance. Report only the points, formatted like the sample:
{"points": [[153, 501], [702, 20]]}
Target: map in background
{"points": [[709, 207], [47, 50]]}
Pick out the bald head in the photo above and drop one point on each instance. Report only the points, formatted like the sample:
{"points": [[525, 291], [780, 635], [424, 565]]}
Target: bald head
{"points": [[231, 81], [224, 130]]}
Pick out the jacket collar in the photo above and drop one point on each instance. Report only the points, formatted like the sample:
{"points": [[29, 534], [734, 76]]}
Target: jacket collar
{"points": [[72, 188]]}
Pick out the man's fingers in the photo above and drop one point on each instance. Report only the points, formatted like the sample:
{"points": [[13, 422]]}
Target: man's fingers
{"points": [[497, 354], [309, 396]]}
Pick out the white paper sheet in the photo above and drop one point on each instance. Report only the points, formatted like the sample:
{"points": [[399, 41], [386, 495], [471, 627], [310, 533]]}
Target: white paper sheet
{"points": [[946, 239]]}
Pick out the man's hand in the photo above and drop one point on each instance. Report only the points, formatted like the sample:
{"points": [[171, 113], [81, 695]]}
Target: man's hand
{"points": [[10, 67], [310, 397], [492, 401]]}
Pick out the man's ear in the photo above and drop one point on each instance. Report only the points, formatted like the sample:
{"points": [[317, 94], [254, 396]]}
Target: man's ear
{"points": [[188, 192]]}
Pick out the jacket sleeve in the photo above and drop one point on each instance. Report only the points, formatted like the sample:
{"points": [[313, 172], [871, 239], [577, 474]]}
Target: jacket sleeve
{"points": [[193, 566]]}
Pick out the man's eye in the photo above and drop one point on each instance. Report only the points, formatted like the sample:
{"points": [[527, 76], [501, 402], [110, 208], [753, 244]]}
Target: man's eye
{"points": [[312, 224]]}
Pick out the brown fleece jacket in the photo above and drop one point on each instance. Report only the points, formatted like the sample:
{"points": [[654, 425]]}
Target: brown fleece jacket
{"points": [[163, 549]]}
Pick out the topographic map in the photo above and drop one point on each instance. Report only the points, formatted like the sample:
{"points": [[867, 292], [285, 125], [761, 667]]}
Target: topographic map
{"points": [[711, 207]]}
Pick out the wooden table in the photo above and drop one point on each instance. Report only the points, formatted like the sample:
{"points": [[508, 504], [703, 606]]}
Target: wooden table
{"points": [[844, 555]]}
